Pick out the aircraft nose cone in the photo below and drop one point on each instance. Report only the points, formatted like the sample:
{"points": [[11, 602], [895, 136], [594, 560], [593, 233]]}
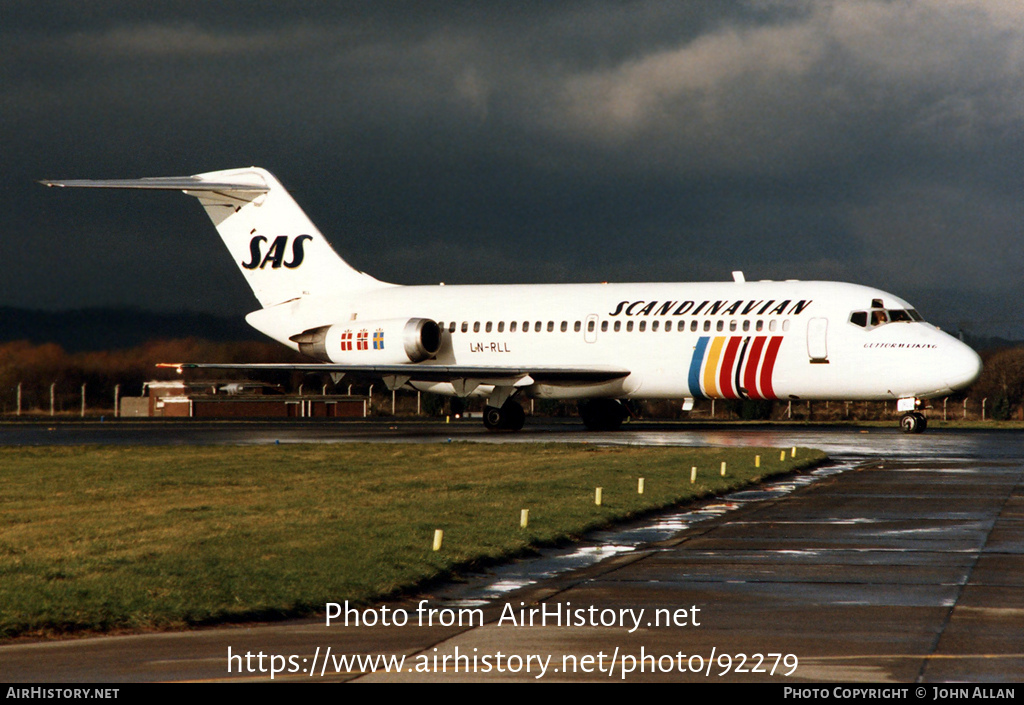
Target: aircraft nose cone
{"points": [[963, 367]]}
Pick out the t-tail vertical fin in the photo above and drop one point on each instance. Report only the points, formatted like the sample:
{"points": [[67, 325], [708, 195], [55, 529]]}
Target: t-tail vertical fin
{"points": [[274, 244]]}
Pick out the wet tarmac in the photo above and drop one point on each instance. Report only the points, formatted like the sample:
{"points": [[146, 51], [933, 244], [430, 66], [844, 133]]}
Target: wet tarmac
{"points": [[846, 442], [903, 561]]}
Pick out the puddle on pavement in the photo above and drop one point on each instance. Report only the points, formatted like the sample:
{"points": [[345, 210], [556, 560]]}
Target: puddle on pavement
{"points": [[478, 589]]}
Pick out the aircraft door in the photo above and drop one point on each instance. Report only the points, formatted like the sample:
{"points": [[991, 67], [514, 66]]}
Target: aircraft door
{"points": [[590, 328], [817, 340]]}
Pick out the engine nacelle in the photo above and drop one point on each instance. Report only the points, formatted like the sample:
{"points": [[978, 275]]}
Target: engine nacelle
{"points": [[389, 342]]}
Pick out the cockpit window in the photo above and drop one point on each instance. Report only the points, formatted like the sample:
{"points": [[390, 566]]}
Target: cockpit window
{"points": [[879, 317]]}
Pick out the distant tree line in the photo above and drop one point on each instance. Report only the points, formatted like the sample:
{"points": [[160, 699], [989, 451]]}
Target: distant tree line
{"points": [[1002, 382], [37, 366]]}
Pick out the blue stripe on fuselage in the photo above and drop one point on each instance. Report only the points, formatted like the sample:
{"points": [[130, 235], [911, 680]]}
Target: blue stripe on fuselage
{"points": [[695, 363]]}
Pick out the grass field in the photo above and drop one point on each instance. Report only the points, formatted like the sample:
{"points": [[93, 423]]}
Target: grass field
{"points": [[100, 539]]}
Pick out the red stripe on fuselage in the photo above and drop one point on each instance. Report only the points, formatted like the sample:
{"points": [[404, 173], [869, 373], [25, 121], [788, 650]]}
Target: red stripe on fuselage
{"points": [[750, 373], [769, 365], [725, 371]]}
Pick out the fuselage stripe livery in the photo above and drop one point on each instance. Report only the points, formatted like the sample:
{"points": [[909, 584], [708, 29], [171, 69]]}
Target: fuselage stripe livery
{"points": [[737, 377], [695, 363], [768, 367], [711, 366], [750, 375], [725, 376], [723, 369]]}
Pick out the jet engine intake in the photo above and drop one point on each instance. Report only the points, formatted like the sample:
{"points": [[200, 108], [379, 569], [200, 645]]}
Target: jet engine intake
{"points": [[388, 342]]}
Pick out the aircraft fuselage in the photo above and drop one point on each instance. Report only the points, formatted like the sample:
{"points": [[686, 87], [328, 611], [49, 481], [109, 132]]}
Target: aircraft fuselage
{"points": [[723, 340]]}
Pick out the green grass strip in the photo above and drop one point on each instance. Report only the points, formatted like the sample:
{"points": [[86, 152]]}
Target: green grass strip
{"points": [[101, 539]]}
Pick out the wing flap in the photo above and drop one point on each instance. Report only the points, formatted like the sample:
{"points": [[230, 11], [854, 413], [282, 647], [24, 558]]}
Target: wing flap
{"points": [[566, 376]]}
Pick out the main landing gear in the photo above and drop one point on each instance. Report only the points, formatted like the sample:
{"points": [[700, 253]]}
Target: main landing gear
{"points": [[603, 414], [914, 422], [509, 417]]}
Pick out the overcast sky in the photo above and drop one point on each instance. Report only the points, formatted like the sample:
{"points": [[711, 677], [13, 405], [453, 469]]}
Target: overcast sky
{"points": [[466, 142]]}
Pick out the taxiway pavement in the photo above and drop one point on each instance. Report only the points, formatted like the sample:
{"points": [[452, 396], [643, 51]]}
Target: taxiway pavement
{"points": [[908, 566]]}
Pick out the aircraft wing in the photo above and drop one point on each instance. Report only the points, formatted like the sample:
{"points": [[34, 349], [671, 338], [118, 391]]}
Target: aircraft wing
{"points": [[498, 376]]}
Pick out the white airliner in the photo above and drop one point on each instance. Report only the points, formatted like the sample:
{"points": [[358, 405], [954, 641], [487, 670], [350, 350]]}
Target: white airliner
{"points": [[597, 343]]}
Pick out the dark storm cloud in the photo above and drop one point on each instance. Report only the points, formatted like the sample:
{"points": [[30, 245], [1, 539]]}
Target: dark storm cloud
{"points": [[877, 142]]}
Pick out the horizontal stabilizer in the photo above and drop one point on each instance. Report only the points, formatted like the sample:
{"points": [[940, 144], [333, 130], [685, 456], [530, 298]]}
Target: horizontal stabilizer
{"points": [[163, 183]]}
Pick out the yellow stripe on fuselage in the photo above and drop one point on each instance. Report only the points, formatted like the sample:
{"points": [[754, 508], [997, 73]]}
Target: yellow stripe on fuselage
{"points": [[711, 367]]}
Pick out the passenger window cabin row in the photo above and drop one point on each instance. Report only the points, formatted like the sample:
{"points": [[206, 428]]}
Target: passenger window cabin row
{"points": [[628, 326]]}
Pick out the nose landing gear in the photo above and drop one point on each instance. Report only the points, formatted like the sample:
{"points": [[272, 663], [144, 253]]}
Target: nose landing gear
{"points": [[914, 422]]}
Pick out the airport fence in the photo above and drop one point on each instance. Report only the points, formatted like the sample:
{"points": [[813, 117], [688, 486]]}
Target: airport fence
{"points": [[945, 409], [82, 401]]}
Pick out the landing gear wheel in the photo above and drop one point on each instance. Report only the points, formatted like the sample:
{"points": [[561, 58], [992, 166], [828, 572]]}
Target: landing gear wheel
{"points": [[493, 418], [514, 415], [510, 417], [603, 414], [913, 422]]}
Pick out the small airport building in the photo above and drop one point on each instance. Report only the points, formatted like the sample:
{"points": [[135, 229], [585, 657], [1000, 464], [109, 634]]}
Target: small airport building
{"points": [[236, 400]]}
